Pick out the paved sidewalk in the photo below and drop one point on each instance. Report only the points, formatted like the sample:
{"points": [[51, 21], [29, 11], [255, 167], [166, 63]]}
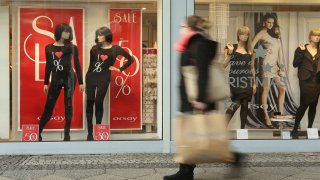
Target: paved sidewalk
{"points": [[142, 166]]}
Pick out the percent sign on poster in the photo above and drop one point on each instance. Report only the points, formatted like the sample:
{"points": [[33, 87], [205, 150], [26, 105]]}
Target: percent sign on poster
{"points": [[125, 89]]}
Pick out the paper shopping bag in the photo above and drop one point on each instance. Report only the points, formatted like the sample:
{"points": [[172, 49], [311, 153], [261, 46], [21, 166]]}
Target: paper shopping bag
{"points": [[202, 138]]}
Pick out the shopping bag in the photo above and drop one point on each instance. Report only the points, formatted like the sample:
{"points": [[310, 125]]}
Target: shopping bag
{"points": [[217, 89], [202, 138]]}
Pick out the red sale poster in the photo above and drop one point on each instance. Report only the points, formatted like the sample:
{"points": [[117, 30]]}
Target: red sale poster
{"points": [[125, 86], [36, 30]]}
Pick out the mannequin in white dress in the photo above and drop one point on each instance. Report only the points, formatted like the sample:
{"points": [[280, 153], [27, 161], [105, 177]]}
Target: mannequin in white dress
{"points": [[273, 66]]}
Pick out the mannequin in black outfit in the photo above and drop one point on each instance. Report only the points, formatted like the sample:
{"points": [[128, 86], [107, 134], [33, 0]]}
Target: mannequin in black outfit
{"points": [[102, 57], [59, 66], [242, 73], [307, 58]]}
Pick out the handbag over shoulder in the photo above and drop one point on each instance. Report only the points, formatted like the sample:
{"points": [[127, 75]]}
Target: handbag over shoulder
{"points": [[217, 88]]}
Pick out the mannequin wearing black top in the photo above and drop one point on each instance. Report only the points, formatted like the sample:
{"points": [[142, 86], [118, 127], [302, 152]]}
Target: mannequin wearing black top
{"points": [[242, 73], [306, 59], [59, 66], [102, 57]]}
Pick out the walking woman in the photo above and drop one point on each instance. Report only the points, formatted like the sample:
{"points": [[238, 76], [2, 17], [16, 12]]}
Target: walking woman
{"points": [[196, 49]]}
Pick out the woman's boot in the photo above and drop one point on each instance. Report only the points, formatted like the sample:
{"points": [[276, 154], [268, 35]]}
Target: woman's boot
{"points": [[185, 173]]}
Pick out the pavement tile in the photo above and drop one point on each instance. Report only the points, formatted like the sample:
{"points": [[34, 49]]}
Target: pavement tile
{"points": [[4, 178], [221, 172], [130, 173], [151, 177], [80, 173], [105, 177], [225, 170], [278, 170], [310, 169], [298, 178], [309, 175], [260, 176], [160, 172], [54, 177], [26, 174], [165, 171]]}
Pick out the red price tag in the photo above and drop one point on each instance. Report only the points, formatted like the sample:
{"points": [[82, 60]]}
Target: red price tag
{"points": [[30, 132], [101, 132]]}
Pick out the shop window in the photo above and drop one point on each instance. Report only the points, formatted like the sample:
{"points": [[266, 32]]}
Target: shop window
{"points": [[276, 31], [118, 74]]}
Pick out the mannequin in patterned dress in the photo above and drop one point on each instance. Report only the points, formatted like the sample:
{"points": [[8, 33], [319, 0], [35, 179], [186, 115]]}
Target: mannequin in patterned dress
{"points": [[273, 67]]}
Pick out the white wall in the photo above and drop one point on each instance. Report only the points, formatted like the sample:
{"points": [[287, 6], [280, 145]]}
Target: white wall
{"points": [[4, 73]]}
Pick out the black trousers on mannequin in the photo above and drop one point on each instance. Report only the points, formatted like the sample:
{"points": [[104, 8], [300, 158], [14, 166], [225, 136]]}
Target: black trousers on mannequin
{"points": [[309, 95], [53, 94], [95, 96], [311, 114], [243, 112]]}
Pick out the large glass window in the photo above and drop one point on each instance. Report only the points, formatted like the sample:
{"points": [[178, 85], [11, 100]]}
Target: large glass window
{"points": [[80, 68], [276, 32]]}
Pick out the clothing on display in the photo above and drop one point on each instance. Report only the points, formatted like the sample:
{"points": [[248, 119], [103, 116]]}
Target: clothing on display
{"points": [[58, 64], [98, 79]]}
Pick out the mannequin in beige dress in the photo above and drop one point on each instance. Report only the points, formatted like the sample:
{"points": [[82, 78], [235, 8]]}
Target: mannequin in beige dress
{"points": [[273, 67]]}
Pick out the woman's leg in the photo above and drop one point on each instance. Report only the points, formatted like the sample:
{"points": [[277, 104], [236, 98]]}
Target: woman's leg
{"points": [[299, 115], [264, 102], [53, 94], [68, 107], [282, 92], [90, 91], [101, 93], [312, 113], [244, 113], [69, 87], [304, 104]]}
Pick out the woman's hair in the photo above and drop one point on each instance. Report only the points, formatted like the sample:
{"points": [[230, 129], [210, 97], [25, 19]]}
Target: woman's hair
{"points": [[245, 30], [269, 16], [104, 31], [272, 32], [196, 23], [63, 27], [314, 32]]}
